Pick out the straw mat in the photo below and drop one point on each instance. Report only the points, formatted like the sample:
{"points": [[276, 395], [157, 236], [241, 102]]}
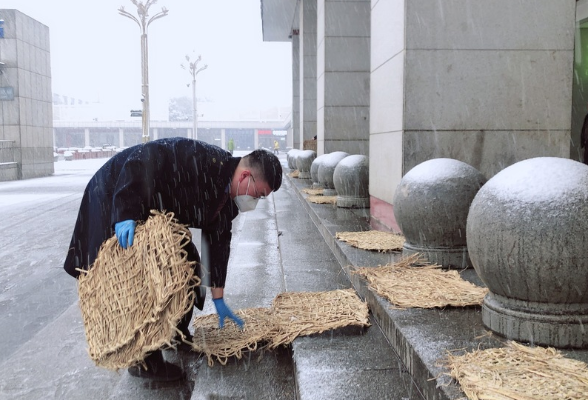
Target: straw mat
{"points": [[519, 372], [322, 199], [307, 313], [313, 192], [132, 299], [373, 240], [292, 314], [220, 344], [415, 283], [294, 174]]}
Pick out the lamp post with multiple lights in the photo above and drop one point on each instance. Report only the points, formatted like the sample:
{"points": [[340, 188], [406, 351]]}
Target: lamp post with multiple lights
{"points": [[194, 70], [143, 21]]}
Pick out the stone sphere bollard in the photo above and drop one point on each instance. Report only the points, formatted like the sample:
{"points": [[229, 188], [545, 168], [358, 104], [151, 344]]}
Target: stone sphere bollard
{"points": [[527, 237], [303, 163], [431, 206], [351, 179], [326, 170], [291, 158], [314, 171]]}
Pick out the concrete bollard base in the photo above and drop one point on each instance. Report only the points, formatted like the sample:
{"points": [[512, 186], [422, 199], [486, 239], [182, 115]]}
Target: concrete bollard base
{"points": [[536, 323], [452, 258], [353, 202]]}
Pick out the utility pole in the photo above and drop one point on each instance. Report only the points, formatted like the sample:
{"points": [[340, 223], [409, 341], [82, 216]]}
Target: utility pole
{"points": [[143, 21], [194, 70]]}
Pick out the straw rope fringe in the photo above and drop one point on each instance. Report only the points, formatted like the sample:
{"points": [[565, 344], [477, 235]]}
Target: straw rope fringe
{"points": [[322, 199], [132, 299], [294, 174], [415, 283], [373, 240], [313, 192], [220, 344], [292, 314], [519, 372]]}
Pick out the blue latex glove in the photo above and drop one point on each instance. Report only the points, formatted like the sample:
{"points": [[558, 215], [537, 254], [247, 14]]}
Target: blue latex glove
{"points": [[125, 232], [223, 312]]}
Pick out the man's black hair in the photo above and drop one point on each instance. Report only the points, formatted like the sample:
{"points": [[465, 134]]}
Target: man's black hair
{"points": [[268, 165]]}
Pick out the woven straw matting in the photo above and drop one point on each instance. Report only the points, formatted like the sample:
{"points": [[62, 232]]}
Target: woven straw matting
{"points": [[294, 174], [322, 199], [292, 314], [132, 299], [307, 313], [414, 283], [372, 240], [519, 372], [220, 344], [313, 192]]}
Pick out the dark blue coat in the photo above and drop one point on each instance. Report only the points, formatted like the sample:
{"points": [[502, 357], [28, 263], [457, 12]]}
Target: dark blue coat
{"points": [[187, 177]]}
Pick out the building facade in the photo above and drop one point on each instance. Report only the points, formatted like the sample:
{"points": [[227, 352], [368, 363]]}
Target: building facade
{"points": [[26, 136], [487, 83], [246, 135]]}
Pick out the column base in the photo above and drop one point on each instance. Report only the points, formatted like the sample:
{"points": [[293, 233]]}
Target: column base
{"points": [[353, 202], [453, 258], [556, 325]]}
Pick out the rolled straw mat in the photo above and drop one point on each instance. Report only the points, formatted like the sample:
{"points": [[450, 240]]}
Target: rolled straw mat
{"points": [[292, 314], [415, 283], [132, 299], [519, 372], [322, 199], [373, 240], [313, 192], [294, 174]]}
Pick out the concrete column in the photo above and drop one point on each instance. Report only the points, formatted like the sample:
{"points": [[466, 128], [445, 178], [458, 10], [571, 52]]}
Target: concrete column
{"points": [[121, 137], [428, 68], [86, 136], [290, 138], [454, 52], [343, 76], [154, 134], [307, 77], [295, 89], [256, 139], [387, 56], [223, 139]]}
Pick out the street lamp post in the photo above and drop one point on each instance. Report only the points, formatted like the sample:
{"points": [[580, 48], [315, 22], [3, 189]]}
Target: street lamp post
{"points": [[194, 70], [143, 21]]}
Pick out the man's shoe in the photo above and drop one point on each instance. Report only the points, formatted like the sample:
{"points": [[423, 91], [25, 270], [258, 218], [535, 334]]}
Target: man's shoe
{"points": [[157, 369]]}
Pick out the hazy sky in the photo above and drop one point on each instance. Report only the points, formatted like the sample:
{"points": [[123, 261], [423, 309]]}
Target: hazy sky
{"points": [[95, 53]]}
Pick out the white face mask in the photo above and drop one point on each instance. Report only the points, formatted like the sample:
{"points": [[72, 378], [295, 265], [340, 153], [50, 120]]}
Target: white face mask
{"points": [[246, 202]]}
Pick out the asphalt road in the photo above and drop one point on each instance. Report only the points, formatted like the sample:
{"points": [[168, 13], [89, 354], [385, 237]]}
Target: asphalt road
{"points": [[43, 347]]}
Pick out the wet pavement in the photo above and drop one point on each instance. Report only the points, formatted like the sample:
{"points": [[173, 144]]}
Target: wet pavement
{"points": [[286, 244], [275, 248]]}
